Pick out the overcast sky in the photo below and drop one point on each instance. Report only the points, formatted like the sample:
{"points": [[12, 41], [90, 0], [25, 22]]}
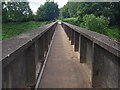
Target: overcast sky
{"points": [[34, 4]]}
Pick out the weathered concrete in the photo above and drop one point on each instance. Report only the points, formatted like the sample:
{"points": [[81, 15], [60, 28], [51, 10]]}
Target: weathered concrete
{"points": [[89, 57], [63, 69], [41, 49], [14, 75], [105, 42], [83, 49], [76, 41], [23, 56], [38, 53], [31, 65], [105, 69], [20, 43], [100, 55], [72, 37]]}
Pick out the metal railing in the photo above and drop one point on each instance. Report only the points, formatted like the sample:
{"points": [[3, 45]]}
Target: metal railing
{"points": [[23, 57], [99, 53]]}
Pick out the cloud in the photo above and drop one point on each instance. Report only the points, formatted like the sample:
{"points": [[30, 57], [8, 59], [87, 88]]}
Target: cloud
{"points": [[40, 1], [61, 3], [34, 4]]}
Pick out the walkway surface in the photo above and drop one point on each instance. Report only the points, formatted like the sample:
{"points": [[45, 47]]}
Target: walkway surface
{"points": [[63, 69]]}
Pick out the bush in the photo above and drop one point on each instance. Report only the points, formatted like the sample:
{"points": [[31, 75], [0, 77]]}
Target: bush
{"points": [[114, 32], [98, 24], [73, 21]]}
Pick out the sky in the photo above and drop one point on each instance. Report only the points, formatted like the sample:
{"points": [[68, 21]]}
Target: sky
{"points": [[34, 4]]}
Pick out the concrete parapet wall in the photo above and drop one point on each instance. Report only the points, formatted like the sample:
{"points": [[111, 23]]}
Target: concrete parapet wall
{"points": [[100, 53], [23, 57]]}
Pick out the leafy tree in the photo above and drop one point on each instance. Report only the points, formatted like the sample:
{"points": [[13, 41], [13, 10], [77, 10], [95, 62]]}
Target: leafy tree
{"points": [[115, 13], [72, 8], [95, 16], [107, 9], [4, 12], [98, 24], [69, 10], [64, 13], [88, 8], [16, 11], [48, 11], [110, 10], [40, 13]]}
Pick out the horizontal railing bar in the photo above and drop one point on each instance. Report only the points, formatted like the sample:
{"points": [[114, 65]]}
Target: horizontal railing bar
{"points": [[105, 42], [44, 65]]}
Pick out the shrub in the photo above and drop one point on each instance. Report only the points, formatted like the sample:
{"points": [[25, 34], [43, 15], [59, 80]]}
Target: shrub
{"points": [[73, 21], [98, 24], [114, 32]]}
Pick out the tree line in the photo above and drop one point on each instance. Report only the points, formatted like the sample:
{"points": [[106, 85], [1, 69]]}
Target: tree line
{"points": [[21, 12], [110, 10], [101, 17]]}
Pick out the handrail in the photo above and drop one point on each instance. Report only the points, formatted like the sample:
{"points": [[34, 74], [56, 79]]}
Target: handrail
{"points": [[24, 55], [105, 42], [17, 44], [99, 54]]}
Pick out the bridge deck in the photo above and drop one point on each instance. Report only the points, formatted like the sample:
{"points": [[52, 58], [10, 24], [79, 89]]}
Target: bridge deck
{"points": [[63, 69]]}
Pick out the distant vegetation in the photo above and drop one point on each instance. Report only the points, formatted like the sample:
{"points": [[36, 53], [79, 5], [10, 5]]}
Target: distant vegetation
{"points": [[72, 20], [98, 24], [13, 29], [48, 11], [16, 12], [17, 17], [21, 12], [111, 31], [102, 17]]}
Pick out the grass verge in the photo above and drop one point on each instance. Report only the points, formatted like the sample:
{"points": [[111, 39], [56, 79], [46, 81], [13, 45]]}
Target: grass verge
{"points": [[13, 29], [112, 31]]}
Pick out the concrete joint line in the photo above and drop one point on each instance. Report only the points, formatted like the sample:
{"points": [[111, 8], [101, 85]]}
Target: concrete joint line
{"points": [[44, 64]]}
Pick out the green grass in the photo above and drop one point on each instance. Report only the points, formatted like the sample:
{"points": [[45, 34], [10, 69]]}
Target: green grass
{"points": [[13, 29], [112, 32], [59, 20], [73, 21], [70, 19]]}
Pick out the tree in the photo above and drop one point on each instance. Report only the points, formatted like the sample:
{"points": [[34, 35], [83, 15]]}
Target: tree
{"points": [[88, 8], [64, 13], [108, 9], [98, 24], [48, 11], [4, 12], [72, 8], [16, 11]]}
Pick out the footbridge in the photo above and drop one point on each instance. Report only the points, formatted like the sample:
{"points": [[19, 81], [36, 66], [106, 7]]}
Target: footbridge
{"points": [[60, 55]]}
